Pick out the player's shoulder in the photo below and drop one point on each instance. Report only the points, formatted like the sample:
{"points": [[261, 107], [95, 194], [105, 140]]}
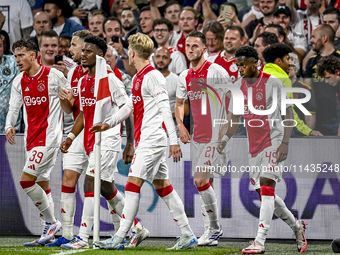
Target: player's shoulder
{"points": [[18, 78], [155, 74], [56, 73], [184, 74], [216, 68]]}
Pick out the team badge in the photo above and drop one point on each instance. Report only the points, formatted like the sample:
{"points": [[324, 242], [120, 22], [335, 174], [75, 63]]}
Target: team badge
{"points": [[92, 89], [233, 68], [6, 71], [137, 86], [41, 87], [259, 96]]}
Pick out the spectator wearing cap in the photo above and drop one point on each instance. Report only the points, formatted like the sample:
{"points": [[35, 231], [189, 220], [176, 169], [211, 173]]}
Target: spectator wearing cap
{"points": [[61, 25], [294, 38]]}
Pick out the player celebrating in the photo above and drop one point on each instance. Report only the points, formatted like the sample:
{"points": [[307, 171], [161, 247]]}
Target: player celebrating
{"points": [[268, 146], [111, 142], [38, 88], [151, 105], [202, 75]]}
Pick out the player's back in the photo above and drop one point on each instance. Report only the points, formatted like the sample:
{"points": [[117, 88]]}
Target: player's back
{"points": [[149, 88]]}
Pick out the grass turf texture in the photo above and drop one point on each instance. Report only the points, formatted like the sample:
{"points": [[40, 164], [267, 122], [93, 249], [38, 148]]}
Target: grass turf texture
{"points": [[153, 246]]}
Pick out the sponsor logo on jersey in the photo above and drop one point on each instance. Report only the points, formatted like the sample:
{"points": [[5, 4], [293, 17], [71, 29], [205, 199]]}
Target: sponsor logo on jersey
{"points": [[41, 87], [27, 89], [34, 100], [88, 101], [75, 91], [136, 99]]}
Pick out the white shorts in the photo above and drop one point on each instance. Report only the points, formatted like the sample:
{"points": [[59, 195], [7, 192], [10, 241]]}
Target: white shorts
{"points": [[264, 165], [205, 158], [76, 159], [108, 165], [40, 162], [149, 164]]}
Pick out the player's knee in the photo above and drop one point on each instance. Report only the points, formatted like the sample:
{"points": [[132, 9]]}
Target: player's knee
{"points": [[88, 184], [70, 178], [267, 191], [201, 182], [27, 184]]}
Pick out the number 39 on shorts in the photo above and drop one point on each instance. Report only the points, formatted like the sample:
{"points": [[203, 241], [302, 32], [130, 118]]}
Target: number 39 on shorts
{"points": [[36, 156]]}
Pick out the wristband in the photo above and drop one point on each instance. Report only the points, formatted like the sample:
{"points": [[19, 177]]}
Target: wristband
{"points": [[71, 136], [225, 138]]}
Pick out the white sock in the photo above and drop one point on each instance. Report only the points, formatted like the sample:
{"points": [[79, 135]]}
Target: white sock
{"points": [[266, 213], [116, 204], [130, 210], [281, 211], [87, 216], [205, 218], [210, 203], [50, 200], [39, 199], [68, 209], [114, 217], [176, 208]]}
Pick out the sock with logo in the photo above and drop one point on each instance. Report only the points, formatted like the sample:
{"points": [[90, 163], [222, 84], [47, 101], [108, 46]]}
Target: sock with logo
{"points": [[68, 209], [210, 203], [87, 217], [266, 213], [176, 208]]}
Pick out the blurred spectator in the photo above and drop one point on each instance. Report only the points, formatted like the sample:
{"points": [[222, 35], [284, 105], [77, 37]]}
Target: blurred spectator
{"points": [[49, 47], [327, 119], [263, 41], [294, 66], [256, 27], [8, 71], [62, 25], [277, 30], [113, 27], [187, 23], [146, 22], [111, 58], [36, 6], [329, 68], [172, 10], [96, 19], [248, 14], [20, 20], [230, 15], [129, 24], [213, 32], [64, 45], [119, 5], [162, 32], [234, 38], [331, 16], [294, 39], [42, 22]]}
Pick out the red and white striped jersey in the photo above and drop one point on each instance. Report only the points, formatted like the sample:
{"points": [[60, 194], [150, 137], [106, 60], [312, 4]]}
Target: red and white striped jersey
{"points": [[262, 130], [204, 88], [111, 139], [149, 89], [228, 64], [74, 75], [43, 114]]}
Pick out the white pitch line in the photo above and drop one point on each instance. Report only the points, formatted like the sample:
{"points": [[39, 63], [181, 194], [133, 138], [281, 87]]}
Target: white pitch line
{"points": [[70, 252]]}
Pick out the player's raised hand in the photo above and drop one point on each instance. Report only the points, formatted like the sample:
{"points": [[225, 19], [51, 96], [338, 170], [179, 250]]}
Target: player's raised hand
{"points": [[65, 145], [99, 128], [10, 133], [128, 153], [281, 152], [184, 134], [175, 152]]}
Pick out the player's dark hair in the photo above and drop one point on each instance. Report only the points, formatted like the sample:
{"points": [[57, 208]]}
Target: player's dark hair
{"points": [[29, 45], [277, 50], [112, 18], [198, 35], [6, 45], [329, 64], [162, 21], [279, 30], [247, 52], [99, 42], [268, 38], [332, 10]]}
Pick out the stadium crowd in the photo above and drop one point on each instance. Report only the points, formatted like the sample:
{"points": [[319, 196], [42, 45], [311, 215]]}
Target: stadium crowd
{"points": [[293, 44]]}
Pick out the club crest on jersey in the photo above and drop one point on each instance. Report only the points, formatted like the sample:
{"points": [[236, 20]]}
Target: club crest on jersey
{"points": [[137, 85], [41, 87], [92, 89], [6, 71], [233, 68], [259, 96]]}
